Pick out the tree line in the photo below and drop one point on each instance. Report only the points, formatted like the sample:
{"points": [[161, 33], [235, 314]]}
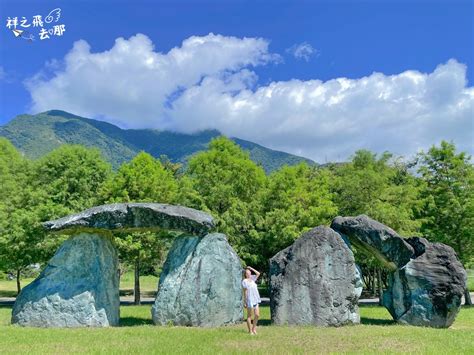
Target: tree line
{"points": [[430, 195]]}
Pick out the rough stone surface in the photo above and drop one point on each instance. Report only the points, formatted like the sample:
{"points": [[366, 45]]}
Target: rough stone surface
{"points": [[315, 281], [375, 238], [78, 288], [427, 291], [427, 279], [200, 284], [135, 216]]}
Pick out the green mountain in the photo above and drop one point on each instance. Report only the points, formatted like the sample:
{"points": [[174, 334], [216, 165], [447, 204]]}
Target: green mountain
{"points": [[36, 135]]}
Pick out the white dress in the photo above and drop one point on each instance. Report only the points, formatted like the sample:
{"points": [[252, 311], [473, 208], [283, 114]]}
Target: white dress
{"points": [[253, 297]]}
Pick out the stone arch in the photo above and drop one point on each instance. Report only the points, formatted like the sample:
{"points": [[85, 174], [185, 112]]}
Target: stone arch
{"points": [[80, 285], [315, 280], [427, 279]]}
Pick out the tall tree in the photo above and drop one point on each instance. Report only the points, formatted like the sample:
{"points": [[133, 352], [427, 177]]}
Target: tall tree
{"points": [[382, 188], [13, 175], [72, 175], [225, 173], [143, 179], [449, 209], [23, 206], [297, 199], [228, 184]]}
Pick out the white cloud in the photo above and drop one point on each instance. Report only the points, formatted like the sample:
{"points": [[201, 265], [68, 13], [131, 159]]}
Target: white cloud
{"points": [[132, 83], [302, 51], [207, 82]]}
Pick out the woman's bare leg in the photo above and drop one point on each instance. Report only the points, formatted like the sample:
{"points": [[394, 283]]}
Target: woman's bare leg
{"points": [[249, 319], [256, 315]]}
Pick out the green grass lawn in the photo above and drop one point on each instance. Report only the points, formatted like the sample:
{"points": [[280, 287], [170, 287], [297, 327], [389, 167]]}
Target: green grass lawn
{"points": [[8, 287], [148, 285], [376, 334], [470, 280]]}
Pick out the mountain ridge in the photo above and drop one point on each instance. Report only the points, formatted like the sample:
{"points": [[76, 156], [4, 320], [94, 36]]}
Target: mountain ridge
{"points": [[36, 135]]}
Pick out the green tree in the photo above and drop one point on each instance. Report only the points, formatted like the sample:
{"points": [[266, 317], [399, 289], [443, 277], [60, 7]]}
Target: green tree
{"points": [[72, 175], [225, 173], [227, 183], [380, 188], [242, 223], [145, 251], [143, 179], [188, 196], [297, 199], [13, 174], [449, 209], [383, 189], [174, 168], [23, 206]]}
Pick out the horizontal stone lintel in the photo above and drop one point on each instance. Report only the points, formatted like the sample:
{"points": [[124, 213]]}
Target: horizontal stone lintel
{"points": [[134, 217]]}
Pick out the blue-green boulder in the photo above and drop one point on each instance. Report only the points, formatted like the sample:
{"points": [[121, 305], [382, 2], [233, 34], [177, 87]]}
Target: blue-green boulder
{"points": [[200, 284], [78, 288], [315, 281], [427, 291]]}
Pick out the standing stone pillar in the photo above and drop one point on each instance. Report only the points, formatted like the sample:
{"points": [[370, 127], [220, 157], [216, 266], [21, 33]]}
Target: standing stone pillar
{"points": [[80, 285], [78, 288], [200, 284], [315, 281]]}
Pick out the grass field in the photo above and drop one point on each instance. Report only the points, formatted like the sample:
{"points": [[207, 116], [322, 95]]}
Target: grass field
{"points": [[148, 285], [8, 287], [470, 280], [376, 334]]}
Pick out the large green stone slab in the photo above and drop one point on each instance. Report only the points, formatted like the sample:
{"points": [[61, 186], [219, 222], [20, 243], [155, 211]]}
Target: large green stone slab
{"points": [[78, 288], [135, 216], [315, 281], [200, 284]]}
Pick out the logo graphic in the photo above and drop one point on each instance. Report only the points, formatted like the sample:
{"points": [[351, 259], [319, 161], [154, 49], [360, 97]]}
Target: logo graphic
{"points": [[46, 27]]}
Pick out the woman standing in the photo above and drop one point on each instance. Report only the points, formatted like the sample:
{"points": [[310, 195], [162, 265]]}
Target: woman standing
{"points": [[251, 298]]}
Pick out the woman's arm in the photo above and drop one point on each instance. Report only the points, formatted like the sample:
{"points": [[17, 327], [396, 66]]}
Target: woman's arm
{"points": [[257, 274]]}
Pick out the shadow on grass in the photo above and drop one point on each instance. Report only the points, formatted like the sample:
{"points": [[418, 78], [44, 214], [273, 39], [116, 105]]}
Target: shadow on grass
{"points": [[129, 292], [376, 321], [8, 293], [134, 321], [264, 322]]}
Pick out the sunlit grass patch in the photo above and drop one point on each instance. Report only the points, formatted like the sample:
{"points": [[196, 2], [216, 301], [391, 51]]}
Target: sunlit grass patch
{"points": [[377, 333]]}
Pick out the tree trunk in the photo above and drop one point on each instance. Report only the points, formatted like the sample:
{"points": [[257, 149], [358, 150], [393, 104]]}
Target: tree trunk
{"points": [[136, 289], [18, 283], [379, 279], [467, 297], [374, 285]]}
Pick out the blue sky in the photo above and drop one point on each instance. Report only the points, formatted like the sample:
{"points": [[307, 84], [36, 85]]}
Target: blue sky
{"points": [[314, 42]]}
